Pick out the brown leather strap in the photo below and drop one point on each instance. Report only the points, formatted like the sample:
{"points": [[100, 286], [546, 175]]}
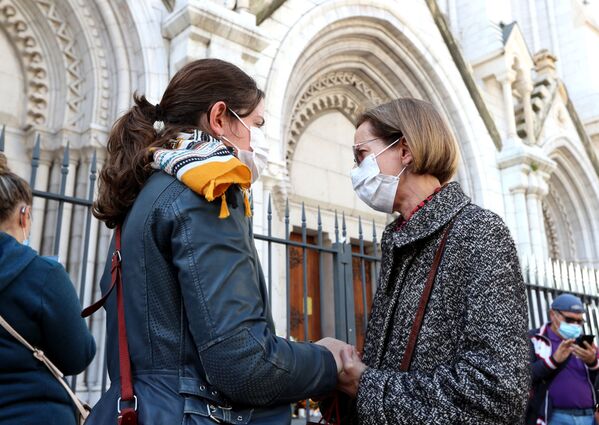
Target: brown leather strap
{"points": [[426, 293], [127, 415]]}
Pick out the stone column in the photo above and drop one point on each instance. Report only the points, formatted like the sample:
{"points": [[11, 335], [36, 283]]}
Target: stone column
{"points": [[524, 87], [506, 81]]}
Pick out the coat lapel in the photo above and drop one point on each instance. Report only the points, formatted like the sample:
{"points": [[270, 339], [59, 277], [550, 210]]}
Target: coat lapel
{"points": [[432, 217]]}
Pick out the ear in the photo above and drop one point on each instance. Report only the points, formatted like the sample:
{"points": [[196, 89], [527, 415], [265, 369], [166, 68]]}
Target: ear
{"points": [[217, 118], [405, 153]]}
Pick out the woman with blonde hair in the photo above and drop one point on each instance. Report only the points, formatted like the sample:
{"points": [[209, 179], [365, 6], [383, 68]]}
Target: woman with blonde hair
{"points": [[446, 341]]}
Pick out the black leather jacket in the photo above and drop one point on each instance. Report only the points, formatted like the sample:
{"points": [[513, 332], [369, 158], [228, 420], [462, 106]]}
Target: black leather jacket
{"points": [[200, 331]]}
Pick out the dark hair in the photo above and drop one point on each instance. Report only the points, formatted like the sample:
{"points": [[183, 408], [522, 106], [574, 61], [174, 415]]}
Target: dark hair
{"points": [[191, 93], [13, 190]]}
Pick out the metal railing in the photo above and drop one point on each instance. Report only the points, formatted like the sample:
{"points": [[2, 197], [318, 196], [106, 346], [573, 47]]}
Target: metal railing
{"points": [[546, 279]]}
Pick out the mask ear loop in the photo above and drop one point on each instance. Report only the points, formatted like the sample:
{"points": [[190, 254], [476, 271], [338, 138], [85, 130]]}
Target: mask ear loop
{"points": [[22, 221]]}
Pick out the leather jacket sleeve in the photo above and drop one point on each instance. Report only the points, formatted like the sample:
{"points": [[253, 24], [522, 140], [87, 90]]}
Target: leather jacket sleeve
{"points": [[227, 309]]}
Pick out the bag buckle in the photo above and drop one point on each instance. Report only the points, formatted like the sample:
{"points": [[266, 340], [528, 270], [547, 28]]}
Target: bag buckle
{"points": [[118, 404]]}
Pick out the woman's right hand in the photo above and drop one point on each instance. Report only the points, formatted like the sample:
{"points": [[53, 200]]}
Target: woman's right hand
{"points": [[335, 346]]}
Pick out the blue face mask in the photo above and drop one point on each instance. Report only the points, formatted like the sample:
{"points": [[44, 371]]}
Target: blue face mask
{"points": [[570, 330]]}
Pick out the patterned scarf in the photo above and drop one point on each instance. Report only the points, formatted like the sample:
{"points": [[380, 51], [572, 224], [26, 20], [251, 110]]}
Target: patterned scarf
{"points": [[205, 165]]}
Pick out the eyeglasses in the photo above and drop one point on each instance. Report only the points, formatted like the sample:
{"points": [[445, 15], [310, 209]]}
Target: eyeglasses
{"points": [[355, 147], [571, 320]]}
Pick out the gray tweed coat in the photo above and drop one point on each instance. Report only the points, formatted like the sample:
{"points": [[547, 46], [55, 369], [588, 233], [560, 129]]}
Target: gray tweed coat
{"points": [[470, 364]]}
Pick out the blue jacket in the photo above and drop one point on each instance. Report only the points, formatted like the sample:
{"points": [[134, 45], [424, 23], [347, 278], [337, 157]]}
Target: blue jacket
{"points": [[199, 326], [37, 298]]}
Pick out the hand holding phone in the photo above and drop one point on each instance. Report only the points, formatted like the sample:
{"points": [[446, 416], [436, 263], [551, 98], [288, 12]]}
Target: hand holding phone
{"points": [[580, 341]]}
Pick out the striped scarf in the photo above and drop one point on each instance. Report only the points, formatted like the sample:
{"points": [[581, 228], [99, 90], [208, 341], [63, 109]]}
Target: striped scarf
{"points": [[205, 165]]}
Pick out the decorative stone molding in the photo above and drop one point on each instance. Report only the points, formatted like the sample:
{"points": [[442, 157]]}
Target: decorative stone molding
{"points": [[339, 90], [66, 42], [544, 91], [551, 234], [34, 63], [564, 223], [102, 107]]}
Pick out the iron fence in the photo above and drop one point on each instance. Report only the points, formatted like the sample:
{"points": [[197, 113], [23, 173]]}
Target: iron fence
{"points": [[317, 265]]}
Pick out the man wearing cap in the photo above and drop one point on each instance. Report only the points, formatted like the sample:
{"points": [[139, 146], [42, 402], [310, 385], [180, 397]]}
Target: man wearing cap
{"points": [[563, 373]]}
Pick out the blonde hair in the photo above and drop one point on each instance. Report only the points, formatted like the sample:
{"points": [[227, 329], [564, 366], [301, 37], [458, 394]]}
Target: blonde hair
{"points": [[431, 142]]}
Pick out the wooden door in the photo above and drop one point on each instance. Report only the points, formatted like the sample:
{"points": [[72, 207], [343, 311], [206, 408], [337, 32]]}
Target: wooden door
{"points": [[296, 282], [359, 295]]}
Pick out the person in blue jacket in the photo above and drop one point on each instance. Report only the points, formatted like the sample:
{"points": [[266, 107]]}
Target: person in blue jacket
{"points": [[38, 299], [201, 337]]}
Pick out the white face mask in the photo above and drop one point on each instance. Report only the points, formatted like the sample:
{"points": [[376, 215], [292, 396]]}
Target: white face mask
{"points": [[257, 158], [375, 189]]}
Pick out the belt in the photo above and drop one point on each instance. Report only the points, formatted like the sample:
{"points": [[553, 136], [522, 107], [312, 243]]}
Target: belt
{"points": [[576, 412]]}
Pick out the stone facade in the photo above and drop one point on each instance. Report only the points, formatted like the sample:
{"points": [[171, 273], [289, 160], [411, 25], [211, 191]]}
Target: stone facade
{"points": [[518, 82]]}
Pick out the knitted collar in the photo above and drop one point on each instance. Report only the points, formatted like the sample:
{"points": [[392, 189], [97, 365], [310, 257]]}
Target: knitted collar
{"points": [[205, 165], [431, 217]]}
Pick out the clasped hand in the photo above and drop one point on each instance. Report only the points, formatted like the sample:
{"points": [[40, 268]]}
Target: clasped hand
{"points": [[349, 365]]}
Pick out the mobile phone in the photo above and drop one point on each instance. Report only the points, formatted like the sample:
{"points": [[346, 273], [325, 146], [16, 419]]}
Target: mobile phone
{"points": [[585, 338]]}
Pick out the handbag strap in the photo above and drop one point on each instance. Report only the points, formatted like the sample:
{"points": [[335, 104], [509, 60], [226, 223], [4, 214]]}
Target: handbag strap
{"points": [[127, 415], [426, 293], [39, 355]]}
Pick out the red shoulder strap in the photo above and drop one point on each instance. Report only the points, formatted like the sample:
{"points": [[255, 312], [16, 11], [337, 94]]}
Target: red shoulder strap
{"points": [[127, 415]]}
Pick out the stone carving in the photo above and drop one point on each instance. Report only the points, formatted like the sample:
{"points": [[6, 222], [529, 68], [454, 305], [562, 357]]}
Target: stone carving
{"points": [[339, 90], [71, 61], [102, 104], [563, 222], [551, 234], [34, 63], [544, 91]]}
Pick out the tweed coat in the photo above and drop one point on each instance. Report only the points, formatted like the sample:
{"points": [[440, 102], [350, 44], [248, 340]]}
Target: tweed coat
{"points": [[470, 364]]}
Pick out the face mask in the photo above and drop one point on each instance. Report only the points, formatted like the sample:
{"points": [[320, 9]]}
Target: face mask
{"points": [[256, 159], [375, 189], [570, 330]]}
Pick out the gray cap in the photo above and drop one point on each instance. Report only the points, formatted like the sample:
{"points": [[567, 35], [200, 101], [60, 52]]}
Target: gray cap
{"points": [[569, 303]]}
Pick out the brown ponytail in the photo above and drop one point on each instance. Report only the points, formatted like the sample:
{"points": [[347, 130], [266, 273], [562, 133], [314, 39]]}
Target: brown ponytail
{"points": [[190, 94], [13, 190]]}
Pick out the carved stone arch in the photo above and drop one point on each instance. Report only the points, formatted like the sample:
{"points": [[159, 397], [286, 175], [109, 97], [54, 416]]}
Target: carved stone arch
{"points": [[34, 63], [67, 43], [343, 91]]}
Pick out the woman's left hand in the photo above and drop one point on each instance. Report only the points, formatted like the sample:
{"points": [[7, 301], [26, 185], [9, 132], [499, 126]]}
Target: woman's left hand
{"points": [[352, 370]]}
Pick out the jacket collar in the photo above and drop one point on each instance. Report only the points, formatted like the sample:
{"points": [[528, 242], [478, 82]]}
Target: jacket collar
{"points": [[439, 211]]}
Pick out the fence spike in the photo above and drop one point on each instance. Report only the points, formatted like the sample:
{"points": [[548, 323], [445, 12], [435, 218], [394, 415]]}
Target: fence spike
{"points": [[269, 207], [336, 227], [287, 211], [65, 158], [343, 227], [94, 167], [35, 159], [360, 233], [2, 138]]}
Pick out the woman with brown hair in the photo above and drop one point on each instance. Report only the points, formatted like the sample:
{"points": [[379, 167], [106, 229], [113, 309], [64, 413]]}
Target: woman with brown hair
{"points": [[195, 342], [38, 301], [446, 341]]}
